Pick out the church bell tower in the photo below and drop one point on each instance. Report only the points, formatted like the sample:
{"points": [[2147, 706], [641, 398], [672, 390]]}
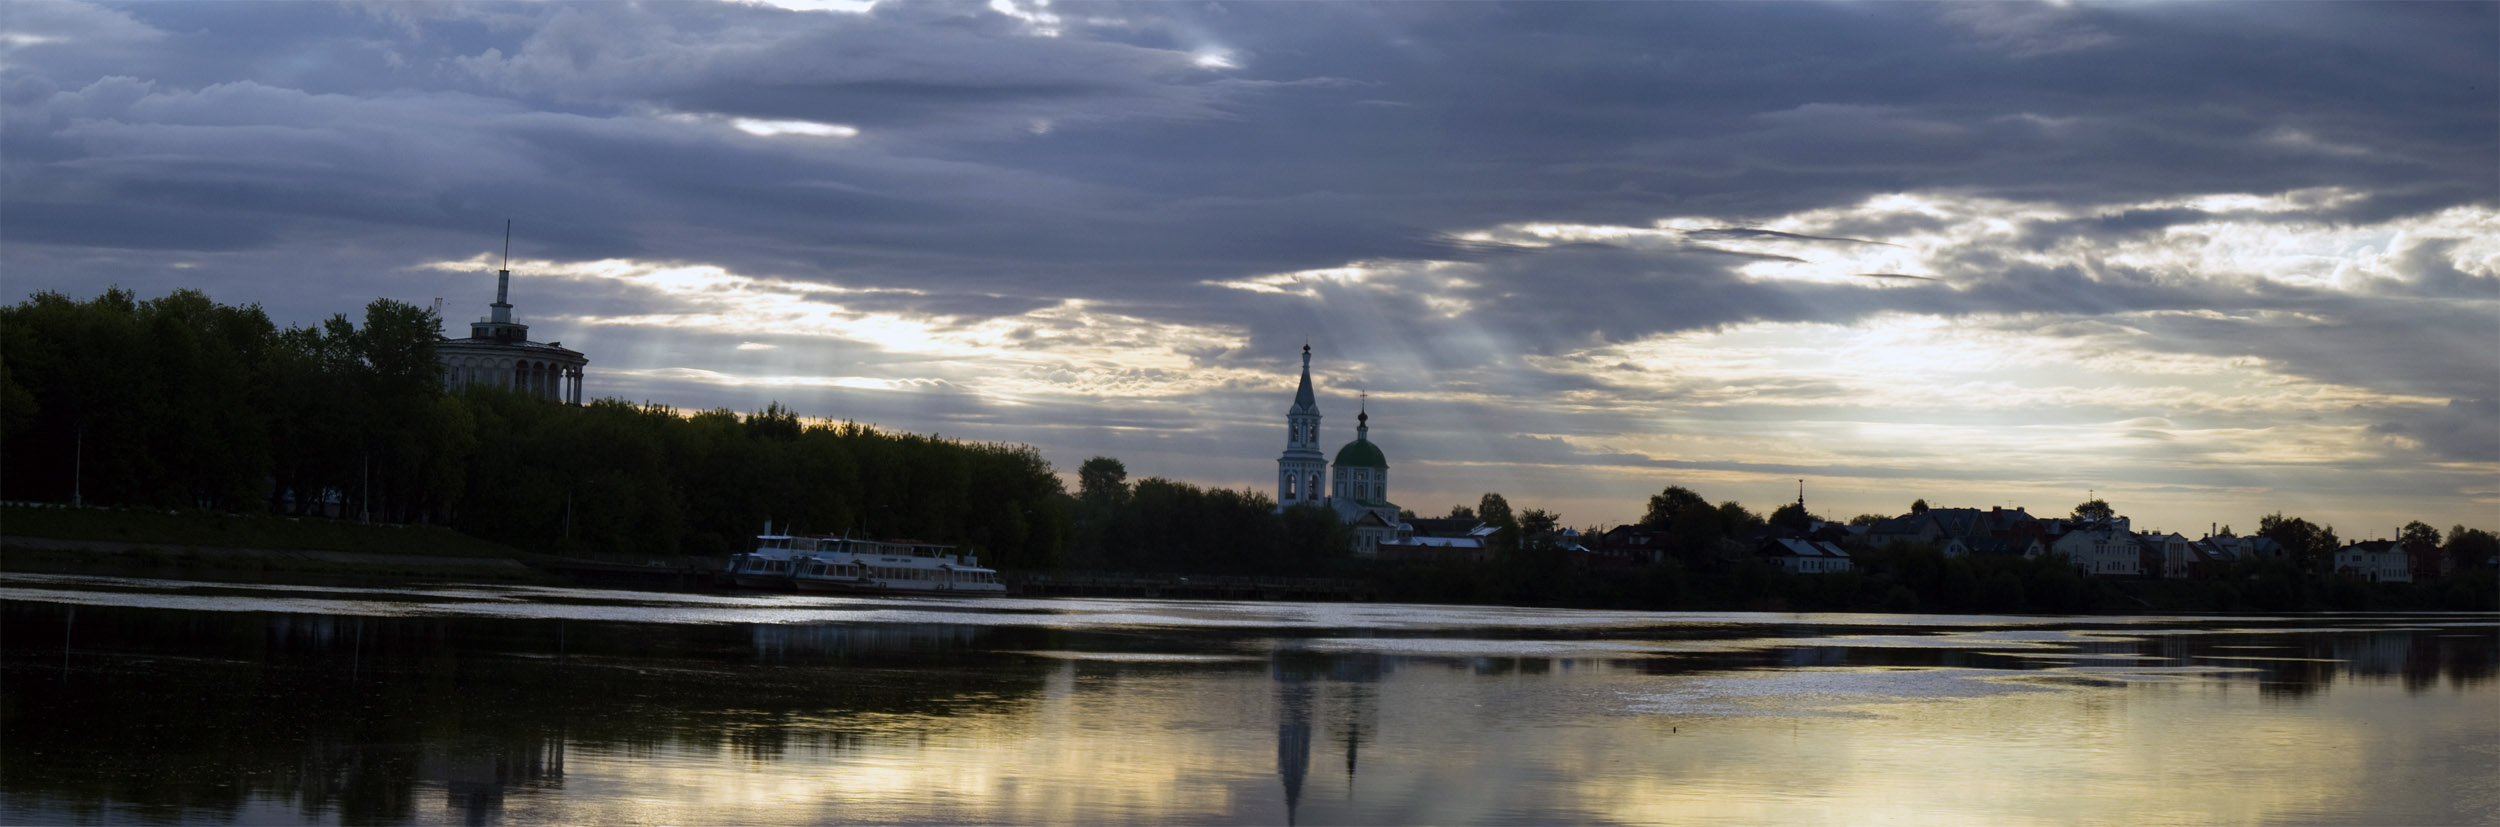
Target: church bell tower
{"points": [[1301, 470]]}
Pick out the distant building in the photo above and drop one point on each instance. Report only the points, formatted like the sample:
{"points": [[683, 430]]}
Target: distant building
{"points": [[1433, 540], [1359, 492], [498, 352], [2375, 561], [2023, 547], [2103, 549], [1797, 556], [1940, 526], [2171, 555]]}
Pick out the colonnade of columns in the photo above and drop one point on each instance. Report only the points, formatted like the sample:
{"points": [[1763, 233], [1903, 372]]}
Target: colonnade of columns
{"points": [[554, 381], [549, 380]]}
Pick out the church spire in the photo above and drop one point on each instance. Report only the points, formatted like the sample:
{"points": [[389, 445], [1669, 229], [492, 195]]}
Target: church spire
{"points": [[1363, 418], [1303, 400]]}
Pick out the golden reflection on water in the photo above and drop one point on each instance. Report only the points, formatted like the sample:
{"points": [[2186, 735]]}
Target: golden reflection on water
{"points": [[1444, 741], [1452, 717]]}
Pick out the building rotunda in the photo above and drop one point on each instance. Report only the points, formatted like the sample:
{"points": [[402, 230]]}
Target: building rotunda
{"points": [[498, 352]]}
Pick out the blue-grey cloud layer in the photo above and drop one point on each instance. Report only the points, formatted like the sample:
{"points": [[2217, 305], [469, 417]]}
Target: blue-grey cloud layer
{"points": [[306, 156]]}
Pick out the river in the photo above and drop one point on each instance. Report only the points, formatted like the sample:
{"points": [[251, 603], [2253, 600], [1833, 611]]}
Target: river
{"points": [[144, 701]]}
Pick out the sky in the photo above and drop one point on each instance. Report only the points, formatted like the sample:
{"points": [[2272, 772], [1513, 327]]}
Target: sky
{"points": [[2205, 261]]}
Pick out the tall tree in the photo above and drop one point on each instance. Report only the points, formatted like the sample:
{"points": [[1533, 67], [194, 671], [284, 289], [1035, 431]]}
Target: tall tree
{"points": [[1793, 517], [2311, 545], [1102, 482], [1735, 519], [2094, 510], [1494, 510], [2419, 532], [1666, 504], [2471, 548], [1536, 521]]}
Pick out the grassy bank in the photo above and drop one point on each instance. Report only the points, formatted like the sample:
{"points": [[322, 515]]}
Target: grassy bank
{"points": [[200, 545], [204, 529]]}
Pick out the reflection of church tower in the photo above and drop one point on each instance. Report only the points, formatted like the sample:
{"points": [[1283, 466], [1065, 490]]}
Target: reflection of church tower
{"points": [[1298, 471], [1293, 731], [1357, 674]]}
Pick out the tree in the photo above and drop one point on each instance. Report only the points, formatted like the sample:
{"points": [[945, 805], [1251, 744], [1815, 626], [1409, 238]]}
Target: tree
{"points": [[2313, 546], [1793, 517], [1102, 482], [1735, 518], [2419, 532], [1664, 505], [1918, 506], [1532, 560], [2470, 548], [1494, 510], [1537, 521], [1460, 512], [2095, 510], [1310, 537], [1868, 519]]}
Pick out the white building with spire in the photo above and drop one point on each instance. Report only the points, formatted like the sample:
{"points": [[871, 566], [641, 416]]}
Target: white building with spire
{"points": [[498, 352], [1357, 487]]}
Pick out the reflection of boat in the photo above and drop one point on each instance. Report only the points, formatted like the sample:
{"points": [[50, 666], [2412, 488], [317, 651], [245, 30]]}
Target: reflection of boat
{"points": [[822, 563]]}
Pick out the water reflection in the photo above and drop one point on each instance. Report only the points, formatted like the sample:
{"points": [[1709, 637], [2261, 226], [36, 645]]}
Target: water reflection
{"points": [[114, 710]]}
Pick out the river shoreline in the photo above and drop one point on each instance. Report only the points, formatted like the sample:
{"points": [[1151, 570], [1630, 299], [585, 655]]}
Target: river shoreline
{"points": [[216, 547]]}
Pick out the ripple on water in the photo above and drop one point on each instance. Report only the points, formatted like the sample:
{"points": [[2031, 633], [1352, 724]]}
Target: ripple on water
{"points": [[1818, 692]]}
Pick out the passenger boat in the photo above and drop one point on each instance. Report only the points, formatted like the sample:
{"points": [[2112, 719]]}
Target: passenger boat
{"points": [[764, 568], [825, 563]]}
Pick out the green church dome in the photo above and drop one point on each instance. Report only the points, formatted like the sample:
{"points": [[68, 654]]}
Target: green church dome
{"points": [[1361, 453]]}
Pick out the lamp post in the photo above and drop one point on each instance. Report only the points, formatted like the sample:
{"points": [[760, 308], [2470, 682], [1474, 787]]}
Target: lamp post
{"points": [[78, 469]]}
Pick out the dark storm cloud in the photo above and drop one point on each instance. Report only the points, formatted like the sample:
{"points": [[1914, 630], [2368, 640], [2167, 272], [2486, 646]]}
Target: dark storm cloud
{"points": [[310, 157], [1104, 162], [2464, 430]]}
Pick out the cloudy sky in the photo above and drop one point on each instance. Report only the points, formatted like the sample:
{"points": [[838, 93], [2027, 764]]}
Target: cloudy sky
{"points": [[2209, 261]]}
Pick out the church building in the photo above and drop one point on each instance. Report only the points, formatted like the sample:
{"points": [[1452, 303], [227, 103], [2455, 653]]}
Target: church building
{"points": [[1358, 489], [499, 352]]}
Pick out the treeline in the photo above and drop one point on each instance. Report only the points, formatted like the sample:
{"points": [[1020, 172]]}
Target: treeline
{"points": [[1157, 525], [181, 402], [1707, 563]]}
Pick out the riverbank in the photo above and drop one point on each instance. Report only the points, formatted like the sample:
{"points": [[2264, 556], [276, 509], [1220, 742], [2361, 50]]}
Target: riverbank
{"points": [[216, 546], [212, 546]]}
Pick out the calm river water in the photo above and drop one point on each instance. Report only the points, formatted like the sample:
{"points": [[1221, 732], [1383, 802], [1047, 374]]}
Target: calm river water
{"points": [[155, 701]]}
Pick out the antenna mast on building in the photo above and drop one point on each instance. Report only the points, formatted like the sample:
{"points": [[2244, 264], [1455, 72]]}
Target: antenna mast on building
{"points": [[503, 281]]}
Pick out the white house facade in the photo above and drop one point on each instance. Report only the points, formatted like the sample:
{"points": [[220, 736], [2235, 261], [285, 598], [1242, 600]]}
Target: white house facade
{"points": [[2103, 550], [2376, 561]]}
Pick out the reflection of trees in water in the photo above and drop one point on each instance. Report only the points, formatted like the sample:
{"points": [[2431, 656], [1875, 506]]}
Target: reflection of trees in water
{"points": [[777, 642], [169, 715], [2296, 663], [2289, 663]]}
